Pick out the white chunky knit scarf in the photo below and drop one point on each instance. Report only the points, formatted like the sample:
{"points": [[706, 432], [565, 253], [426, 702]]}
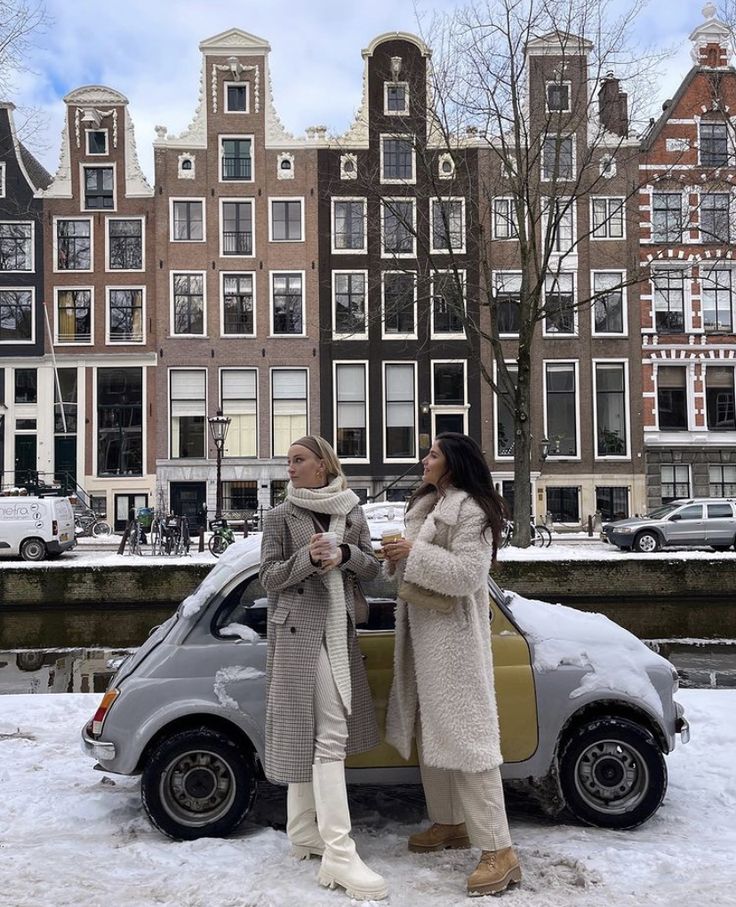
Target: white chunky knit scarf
{"points": [[337, 501]]}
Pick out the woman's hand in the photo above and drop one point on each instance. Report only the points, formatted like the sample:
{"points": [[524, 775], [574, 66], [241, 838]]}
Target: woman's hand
{"points": [[323, 554], [396, 551]]}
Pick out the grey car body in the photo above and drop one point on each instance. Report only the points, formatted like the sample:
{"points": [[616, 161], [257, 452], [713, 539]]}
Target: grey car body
{"points": [[187, 709], [692, 522]]}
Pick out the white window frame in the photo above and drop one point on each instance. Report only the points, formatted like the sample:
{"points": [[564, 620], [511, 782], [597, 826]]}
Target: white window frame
{"points": [[686, 294], [192, 273], [560, 179], [110, 270], [576, 364], [221, 224], [384, 335], [285, 198], [555, 275], [731, 214], [55, 245], [108, 290], [172, 201], [449, 335], [364, 203], [366, 367], [449, 409], [223, 275], [627, 409], [624, 303], [384, 426], [557, 83], [512, 212], [405, 199], [288, 271], [32, 340], [570, 209], [98, 165], [689, 396], [729, 142], [245, 368], [504, 458], [32, 256], [177, 368], [90, 342], [495, 279], [460, 250], [97, 154], [686, 226], [395, 113], [399, 182], [2, 179], [221, 156], [606, 224], [335, 334], [225, 106], [285, 368]]}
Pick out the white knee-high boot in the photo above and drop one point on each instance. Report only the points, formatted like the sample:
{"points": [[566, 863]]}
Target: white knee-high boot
{"points": [[301, 822], [341, 864]]}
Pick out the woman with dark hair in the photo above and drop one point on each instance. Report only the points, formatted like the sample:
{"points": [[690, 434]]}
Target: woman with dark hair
{"points": [[443, 693]]}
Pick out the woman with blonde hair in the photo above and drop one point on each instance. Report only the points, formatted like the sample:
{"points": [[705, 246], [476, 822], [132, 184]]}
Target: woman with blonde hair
{"points": [[316, 547]]}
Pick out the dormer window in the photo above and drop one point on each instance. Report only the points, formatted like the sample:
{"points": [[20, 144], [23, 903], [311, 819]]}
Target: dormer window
{"points": [[96, 141], [558, 97], [236, 97], [396, 98]]}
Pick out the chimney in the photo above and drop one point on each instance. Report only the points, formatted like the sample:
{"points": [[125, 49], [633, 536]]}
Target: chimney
{"points": [[613, 106]]}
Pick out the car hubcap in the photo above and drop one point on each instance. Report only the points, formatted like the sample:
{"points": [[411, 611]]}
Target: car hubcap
{"points": [[197, 788], [611, 776], [647, 543]]}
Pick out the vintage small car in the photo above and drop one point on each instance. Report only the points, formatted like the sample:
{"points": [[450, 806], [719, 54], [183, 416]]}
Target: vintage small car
{"points": [[586, 709]]}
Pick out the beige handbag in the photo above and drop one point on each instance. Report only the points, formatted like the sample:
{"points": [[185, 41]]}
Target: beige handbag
{"points": [[426, 598]]}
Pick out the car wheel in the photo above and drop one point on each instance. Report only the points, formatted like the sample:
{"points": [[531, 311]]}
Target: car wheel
{"points": [[198, 784], [33, 550], [647, 542], [612, 774]]}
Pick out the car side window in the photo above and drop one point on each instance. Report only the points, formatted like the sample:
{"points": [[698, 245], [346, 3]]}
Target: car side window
{"points": [[244, 610], [380, 593], [693, 512], [719, 511]]}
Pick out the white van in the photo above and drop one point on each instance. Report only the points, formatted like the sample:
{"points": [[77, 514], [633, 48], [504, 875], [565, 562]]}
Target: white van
{"points": [[36, 528]]}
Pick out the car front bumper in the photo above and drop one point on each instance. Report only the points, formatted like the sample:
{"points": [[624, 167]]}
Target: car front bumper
{"points": [[620, 539]]}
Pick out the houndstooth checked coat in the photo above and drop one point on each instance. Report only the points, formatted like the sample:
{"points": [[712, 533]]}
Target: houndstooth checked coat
{"points": [[297, 614]]}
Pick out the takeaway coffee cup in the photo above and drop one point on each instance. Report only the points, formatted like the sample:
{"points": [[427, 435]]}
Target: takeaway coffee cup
{"points": [[391, 535], [331, 539]]}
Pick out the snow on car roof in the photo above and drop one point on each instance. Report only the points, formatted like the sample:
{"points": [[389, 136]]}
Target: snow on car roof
{"points": [[237, 557]]}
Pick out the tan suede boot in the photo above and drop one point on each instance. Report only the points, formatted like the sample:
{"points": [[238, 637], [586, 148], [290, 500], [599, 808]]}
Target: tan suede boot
{"points": [[496, 870], [439, 837]]}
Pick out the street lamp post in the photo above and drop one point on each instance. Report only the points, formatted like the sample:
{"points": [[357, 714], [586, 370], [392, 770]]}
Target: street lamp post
{"points": [[219, 425]]}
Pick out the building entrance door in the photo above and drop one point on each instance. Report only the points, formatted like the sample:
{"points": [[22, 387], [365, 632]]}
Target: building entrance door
{"points": [[189, 499]]}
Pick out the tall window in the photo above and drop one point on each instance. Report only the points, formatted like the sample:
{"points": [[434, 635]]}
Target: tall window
{"points": [[713, 144], [348, 225], [559, 304], [65, 425], [505, 429], [237, 228], [125, 245], [715, 217], [400, 410], [351, 313], [398, 303], [73, 245], [505, 225], [608, 303], [722, 481], [667, 217], [448, 396], [610, 394], [188, 304], [236, 159], [562, 229], [558, 157], [98, 188], [351, 422], [16, 316], [675, 483], [448, 303], [716, 295], [563, 502], [188, 402], [26, 385], [286, 220], [74, 316], [288, 308], [397, 159], [612, 502], [607, 217], [669, 301], [672, 398], [288, 408], [188, 221], [719, 398], [237, 304], [448, 225], [239, 402], [399, 225], [508, 302], [125, 315], [16, 247], [561, 426], [119, 421]]}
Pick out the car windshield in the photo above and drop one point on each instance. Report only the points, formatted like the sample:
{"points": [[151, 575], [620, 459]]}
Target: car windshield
{"points": [[661, 512]]}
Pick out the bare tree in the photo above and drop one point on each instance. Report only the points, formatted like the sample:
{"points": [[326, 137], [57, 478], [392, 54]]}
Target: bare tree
{"points": [[20, 22]]}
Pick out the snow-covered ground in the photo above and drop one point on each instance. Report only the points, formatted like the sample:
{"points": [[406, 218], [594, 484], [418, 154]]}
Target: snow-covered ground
{"points": [[72, 837]]}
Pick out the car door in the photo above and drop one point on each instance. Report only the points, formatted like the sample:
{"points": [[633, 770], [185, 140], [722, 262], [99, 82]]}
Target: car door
{"points": [[686, 526], [720, 525]]}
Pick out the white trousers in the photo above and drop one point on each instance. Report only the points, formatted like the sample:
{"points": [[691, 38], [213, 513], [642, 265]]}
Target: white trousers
{"points": [[330, 719], [475, 798]]}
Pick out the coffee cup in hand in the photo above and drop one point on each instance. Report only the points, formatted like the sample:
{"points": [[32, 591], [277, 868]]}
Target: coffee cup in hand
{"points": [[330, 539], [391, 535]]}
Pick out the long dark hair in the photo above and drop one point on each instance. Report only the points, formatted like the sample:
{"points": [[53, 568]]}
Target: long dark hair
{"points": [[468, 471]]}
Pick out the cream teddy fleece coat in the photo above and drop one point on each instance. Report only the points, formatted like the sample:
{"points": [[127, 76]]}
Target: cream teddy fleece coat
{"points": [[443, 666]]}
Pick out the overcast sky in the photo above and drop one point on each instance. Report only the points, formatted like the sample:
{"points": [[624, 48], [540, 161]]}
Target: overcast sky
{"points": [[148, 50]]}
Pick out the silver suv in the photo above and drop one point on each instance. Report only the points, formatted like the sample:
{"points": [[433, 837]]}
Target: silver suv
{"points": [[695, 522]]}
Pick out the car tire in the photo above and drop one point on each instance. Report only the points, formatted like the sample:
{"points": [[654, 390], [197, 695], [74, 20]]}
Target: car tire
{"points": [[33, 550], [647, 542], [198, 783], [612, 773]]}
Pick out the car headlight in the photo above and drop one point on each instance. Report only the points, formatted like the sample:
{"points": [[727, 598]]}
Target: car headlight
{"points": [[624, 529]]}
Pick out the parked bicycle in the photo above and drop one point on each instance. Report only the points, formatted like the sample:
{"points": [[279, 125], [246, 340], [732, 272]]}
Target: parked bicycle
{"points": [[88, 523], [170, 535], [541, 537], [222, 537]]}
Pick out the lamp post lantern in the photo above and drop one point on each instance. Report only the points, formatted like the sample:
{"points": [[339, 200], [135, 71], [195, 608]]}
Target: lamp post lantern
{"points": [[219, 425]]}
